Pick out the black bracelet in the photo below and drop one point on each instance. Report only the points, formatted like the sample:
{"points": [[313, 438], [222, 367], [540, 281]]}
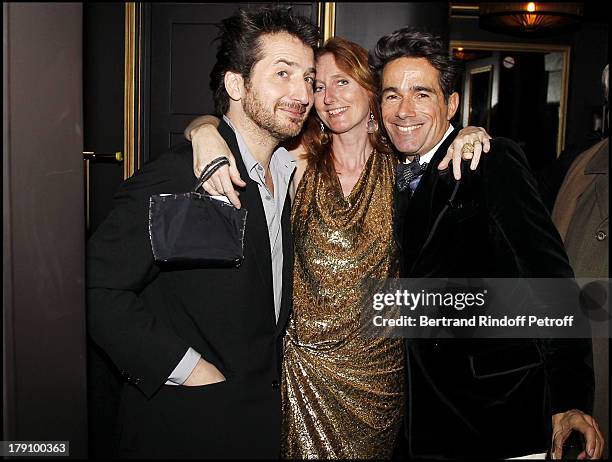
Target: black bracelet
{"points": [[210, 169]]}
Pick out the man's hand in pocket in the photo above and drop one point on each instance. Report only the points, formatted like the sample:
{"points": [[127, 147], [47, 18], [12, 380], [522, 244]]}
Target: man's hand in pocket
{"points": [[204, 373]]}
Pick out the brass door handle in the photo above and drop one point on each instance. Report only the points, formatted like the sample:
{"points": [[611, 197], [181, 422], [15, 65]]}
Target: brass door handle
{"points": [[90, 155]]}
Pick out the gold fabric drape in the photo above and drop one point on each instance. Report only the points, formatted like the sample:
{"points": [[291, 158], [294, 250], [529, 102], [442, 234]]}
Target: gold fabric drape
{"points": [[342, 392]]}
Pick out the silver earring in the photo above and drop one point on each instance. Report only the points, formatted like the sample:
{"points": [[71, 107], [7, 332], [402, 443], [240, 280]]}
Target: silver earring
{"points": [[322, 127], [372, 124]]}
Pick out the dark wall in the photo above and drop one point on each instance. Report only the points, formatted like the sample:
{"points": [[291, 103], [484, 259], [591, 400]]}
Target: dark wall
{"points": [[366, 22], [43, 229]]}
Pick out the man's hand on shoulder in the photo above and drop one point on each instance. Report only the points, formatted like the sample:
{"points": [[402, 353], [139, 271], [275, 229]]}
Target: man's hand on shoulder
{"points": [[470, 143], [575, 420], [207, 146], [204, 373]]}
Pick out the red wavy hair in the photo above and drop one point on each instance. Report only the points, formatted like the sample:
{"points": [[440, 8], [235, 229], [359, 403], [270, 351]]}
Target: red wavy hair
{"points": [[352, 59]]}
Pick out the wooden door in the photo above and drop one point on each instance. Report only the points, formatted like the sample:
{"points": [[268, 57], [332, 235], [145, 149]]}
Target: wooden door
{"points": [[177, 64]]}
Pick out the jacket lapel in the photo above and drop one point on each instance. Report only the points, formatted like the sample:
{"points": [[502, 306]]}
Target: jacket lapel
{"points": [[426, 206], [257, 240], [600, 160]]}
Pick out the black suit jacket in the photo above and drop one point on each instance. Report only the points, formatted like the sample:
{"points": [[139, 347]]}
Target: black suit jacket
{"points": [[485, 397], [145, 316]]}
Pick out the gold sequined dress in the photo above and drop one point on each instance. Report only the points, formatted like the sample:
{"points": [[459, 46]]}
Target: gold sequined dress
{"points": [[342, 393]]}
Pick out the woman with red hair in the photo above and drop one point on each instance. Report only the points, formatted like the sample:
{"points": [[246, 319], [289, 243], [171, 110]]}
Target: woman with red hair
{"points": [[334, 378]]}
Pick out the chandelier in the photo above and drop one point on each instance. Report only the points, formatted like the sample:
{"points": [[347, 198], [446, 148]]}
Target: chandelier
{"points": [[529, 18]]}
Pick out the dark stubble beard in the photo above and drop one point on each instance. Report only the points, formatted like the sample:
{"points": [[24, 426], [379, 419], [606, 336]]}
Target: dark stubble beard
{"points": [[267, 120]]}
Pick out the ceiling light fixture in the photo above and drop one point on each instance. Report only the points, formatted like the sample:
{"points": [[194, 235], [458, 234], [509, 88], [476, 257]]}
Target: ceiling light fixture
{"points": [[529, 18]]}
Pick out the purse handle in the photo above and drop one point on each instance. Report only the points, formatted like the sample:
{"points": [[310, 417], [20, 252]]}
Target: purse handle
{"points": [[208, 171]]}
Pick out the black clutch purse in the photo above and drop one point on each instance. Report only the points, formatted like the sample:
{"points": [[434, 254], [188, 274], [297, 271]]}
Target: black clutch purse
{"points": [[195, 229]]}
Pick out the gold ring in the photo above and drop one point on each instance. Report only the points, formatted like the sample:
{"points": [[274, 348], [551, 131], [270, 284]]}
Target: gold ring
{"points": [[467, 147]]}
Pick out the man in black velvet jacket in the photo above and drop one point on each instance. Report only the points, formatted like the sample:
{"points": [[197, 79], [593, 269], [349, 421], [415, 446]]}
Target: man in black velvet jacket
{"points": [[475, 398]]}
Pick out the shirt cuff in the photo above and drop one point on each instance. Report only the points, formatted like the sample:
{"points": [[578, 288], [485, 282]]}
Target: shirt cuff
{"points": [[184, 368]]}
